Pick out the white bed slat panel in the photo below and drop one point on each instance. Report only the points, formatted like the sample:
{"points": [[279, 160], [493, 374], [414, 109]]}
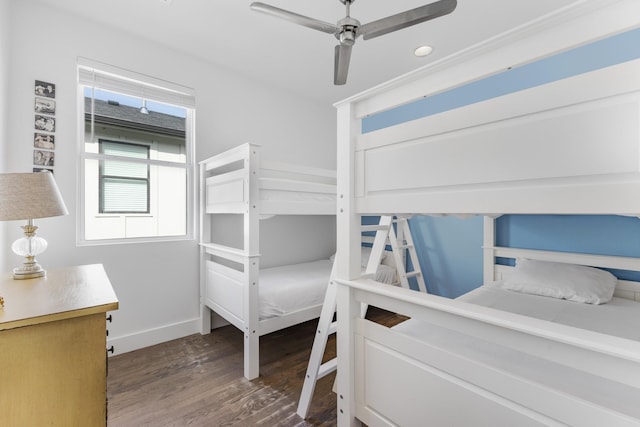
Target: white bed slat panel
{"points": [[585, 145], [288, 185], [543, 146], [297, 172], [225, 192], [224, 286], [432, 392], [407, 392], [277, 323]]}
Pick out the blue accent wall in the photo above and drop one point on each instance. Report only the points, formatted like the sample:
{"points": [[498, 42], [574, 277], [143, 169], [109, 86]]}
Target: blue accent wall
{"points": [[449, 248]]}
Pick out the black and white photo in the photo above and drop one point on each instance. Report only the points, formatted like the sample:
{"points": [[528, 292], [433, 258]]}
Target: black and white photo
{"points": [[45, 106], [45, 123], [42, 158], [44, 140], [43, 170], [45, 89]]}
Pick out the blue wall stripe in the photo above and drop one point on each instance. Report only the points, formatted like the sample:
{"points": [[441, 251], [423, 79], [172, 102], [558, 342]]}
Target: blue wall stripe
{"points": [[603, 53]]}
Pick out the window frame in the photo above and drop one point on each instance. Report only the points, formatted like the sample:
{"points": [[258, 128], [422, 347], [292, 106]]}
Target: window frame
{"points": [[107, 77]]}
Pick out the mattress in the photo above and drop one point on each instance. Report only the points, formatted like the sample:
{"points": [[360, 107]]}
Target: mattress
{"points": [[290, 288], [618, 317]]}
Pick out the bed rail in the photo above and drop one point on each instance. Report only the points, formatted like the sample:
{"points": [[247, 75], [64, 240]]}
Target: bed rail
{"points": [[280, 188], [384, 357]]}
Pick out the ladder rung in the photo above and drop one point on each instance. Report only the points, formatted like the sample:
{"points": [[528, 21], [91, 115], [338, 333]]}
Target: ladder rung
{"points": [[327, 367], [375, 227], [333, 328], [412, 274], [405, 246]]}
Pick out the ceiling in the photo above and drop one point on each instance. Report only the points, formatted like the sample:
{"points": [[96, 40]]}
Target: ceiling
{"points": [[279, 53]]}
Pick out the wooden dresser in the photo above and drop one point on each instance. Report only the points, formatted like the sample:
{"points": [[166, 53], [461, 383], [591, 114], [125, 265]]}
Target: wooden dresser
{"points": [[53, 348]]}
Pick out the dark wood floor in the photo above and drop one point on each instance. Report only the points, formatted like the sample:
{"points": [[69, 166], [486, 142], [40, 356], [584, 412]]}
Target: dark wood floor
{"points": [[197, 381]]}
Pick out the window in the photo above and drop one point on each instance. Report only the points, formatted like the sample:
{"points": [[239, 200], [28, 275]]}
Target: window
{"points": [[136, 157], [124, 187]]}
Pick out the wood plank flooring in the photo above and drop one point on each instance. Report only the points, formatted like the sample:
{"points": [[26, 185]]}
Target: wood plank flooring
{"points": [[197, 381]]}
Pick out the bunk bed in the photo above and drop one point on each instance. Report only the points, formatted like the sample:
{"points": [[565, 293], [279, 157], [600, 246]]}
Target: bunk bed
{"points": [[567, 147], [258, 301]]}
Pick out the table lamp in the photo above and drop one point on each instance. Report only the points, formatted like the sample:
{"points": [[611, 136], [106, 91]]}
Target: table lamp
{"points": [[27, 196]]}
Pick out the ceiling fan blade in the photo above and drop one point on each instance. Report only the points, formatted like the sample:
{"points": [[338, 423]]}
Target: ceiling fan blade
{"points": [[341, 67], [295, 18], [406, 19]]}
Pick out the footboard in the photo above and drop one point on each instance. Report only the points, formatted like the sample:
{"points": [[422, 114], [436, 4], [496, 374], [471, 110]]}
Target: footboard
{"points": [[469, 365]]}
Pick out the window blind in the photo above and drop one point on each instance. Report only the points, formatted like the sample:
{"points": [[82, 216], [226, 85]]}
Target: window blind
{"points": [[108, 77], [124, 185]]}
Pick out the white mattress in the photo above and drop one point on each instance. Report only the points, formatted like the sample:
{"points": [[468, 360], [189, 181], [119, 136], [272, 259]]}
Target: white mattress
{"points": [[287, 289], [618, 317]]}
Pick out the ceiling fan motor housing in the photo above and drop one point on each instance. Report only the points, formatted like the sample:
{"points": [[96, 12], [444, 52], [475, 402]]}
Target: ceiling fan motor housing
{"points": [[348, 30]]}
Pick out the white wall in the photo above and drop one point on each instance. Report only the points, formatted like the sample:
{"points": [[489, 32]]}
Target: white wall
{"points": [[4, 112], [156, 283]]}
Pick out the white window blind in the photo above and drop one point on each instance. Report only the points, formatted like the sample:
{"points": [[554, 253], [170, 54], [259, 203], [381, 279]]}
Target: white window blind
{"points": [[123, 195], [108, 77], [124, 186]]}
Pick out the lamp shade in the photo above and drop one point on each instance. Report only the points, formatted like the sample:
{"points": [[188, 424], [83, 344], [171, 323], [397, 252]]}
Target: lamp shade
{"points": [[29, 196]]}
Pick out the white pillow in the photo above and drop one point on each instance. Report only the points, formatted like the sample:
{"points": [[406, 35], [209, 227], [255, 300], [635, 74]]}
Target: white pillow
{"points": [[558, 280]]}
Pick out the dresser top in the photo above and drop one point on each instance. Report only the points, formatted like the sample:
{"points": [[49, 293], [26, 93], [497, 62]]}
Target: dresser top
{"points": [[65, 293]]}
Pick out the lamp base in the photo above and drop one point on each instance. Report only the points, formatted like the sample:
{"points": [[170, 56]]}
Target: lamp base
{"points": [[29, 272], [29, 246], [19, 274]]}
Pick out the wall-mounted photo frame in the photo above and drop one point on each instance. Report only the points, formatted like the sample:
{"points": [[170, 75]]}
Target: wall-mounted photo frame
{"points": [[43, 170], [43, 158], [44, 140], [46, 123], [45, 89], [44, 106]]}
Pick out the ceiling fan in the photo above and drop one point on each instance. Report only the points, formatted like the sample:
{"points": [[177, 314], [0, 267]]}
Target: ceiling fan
{"points": [[348, 29]]}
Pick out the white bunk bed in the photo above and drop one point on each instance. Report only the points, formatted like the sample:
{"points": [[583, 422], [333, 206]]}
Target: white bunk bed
{"points": [[259, 301], [568, 147]]}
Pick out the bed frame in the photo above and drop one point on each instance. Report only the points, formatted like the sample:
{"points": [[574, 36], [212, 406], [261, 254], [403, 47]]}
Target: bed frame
{"points": [[567, 147], [239, 182]]}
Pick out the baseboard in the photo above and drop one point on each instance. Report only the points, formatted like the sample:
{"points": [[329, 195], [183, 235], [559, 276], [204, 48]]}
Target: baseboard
{"points": [[149, 337]]}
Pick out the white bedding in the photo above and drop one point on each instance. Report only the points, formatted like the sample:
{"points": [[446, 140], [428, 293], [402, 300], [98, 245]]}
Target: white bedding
{"points": [[619, 317], [286, 289]]}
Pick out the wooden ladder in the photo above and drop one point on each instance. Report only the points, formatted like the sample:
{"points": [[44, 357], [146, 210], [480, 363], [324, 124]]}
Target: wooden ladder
{"points": [[399, 237]]}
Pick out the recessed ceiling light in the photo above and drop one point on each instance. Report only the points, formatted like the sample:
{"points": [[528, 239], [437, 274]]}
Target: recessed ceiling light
{"points": [[422, 51]]}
